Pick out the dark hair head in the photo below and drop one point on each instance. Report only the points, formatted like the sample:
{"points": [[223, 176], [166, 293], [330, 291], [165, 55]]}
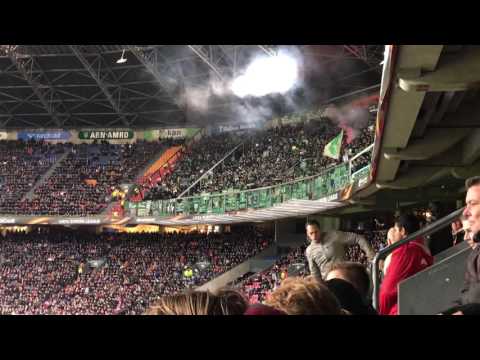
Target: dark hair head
{"points": [[356, 274], [409, 222], [312, 223], [348, 296], [473, 181], [231, 302]]}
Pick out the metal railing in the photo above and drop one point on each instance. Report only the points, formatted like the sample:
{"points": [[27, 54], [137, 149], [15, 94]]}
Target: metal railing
{"points": [[313, 187], [183, 148], [383, 253], [209, 171]]}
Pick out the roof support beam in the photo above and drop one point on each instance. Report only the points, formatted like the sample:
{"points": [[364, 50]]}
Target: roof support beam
{"points": [[207, 59], [25, 66], [150, 59], [110, 97]]}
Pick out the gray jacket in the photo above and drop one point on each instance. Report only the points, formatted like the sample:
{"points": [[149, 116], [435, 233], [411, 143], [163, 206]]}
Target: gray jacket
{"points": [[332, 249]]}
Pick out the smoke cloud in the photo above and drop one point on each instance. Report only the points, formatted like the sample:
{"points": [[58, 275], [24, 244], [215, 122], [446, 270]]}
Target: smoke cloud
{"points": [[351, 119]]}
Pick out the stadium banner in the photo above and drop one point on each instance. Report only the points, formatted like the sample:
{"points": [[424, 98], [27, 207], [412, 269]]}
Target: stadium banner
{"points": [[8, 220], [151, 135], [177, 133], [107, 134], [54, 135], [77, 221], [229, 128], [3, 135]]}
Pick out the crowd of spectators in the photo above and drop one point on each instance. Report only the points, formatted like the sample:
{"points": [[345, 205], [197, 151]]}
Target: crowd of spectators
{"points": [[257, 287], [82, 182], [80, 185], [22, 163], [378, 240], [62, 272], [266, 157], [195, 162]]}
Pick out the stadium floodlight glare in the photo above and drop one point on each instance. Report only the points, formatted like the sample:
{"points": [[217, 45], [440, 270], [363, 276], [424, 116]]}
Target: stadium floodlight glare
{"points": [[123, 59], [267, 75]]}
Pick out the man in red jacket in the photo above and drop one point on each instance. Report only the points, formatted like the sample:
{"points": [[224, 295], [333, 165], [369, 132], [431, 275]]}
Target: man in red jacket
{"points": [[406, 261]]}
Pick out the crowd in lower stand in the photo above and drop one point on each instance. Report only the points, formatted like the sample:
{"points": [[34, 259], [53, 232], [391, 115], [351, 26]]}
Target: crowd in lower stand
{"points": [[61, 272], [257, 287]]}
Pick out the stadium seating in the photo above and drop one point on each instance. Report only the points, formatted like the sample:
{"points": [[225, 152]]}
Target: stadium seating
{"points": [[257, 286], [53, 272], [21, 166], [81, 184], [266, 157]]}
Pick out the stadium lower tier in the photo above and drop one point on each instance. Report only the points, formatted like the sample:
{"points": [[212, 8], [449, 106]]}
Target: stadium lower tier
{"points": [[59, 272]]}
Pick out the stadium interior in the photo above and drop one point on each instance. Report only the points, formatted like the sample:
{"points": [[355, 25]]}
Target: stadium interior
{"points": [[131, 174]]}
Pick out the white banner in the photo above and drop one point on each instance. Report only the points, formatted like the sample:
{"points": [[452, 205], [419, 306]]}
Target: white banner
{"points": [[3, 135]]}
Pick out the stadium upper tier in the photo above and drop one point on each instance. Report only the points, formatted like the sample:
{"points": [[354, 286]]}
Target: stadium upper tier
{"points": [[66, 179], [81, 183], [259, 159]]}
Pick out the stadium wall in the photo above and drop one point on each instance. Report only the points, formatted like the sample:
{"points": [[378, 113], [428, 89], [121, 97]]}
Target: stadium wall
{"points": [[258, 263]]}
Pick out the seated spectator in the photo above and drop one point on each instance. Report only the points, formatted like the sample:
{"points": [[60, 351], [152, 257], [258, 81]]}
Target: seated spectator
{"points": [[354, 273], [49, 271], [231, 302], [461, 231], [190, 303], [471, 289], [349, 298], [407, 260], [388, 259], [304, 296], [224, 302]]}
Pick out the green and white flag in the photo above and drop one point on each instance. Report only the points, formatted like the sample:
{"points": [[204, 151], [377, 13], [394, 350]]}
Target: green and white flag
{"points": [[332, 149]]}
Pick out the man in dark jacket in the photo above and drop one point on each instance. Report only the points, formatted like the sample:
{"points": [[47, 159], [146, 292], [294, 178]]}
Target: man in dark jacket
{"points": [[471, 290]]}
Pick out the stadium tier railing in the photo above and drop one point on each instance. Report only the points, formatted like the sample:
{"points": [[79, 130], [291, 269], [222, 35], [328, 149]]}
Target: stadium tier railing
{"points": [[315, 187]]}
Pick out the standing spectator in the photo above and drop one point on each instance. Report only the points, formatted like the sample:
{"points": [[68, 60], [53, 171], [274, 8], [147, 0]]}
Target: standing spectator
{"points": [[330, 247], [407, 260]]}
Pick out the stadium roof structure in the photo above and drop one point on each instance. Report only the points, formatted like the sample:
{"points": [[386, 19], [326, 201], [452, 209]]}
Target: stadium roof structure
{"points": [[430, 144], [78, 86]]}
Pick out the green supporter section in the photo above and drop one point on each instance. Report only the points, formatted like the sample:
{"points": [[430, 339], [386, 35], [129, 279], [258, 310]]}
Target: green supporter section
{"points": [[312, 188]]}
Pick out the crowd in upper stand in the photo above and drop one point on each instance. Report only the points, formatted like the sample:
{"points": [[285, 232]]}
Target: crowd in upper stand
{"points": [[194, 163], [48, 272], [265, 157], [21, 166], [81, 183]]}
